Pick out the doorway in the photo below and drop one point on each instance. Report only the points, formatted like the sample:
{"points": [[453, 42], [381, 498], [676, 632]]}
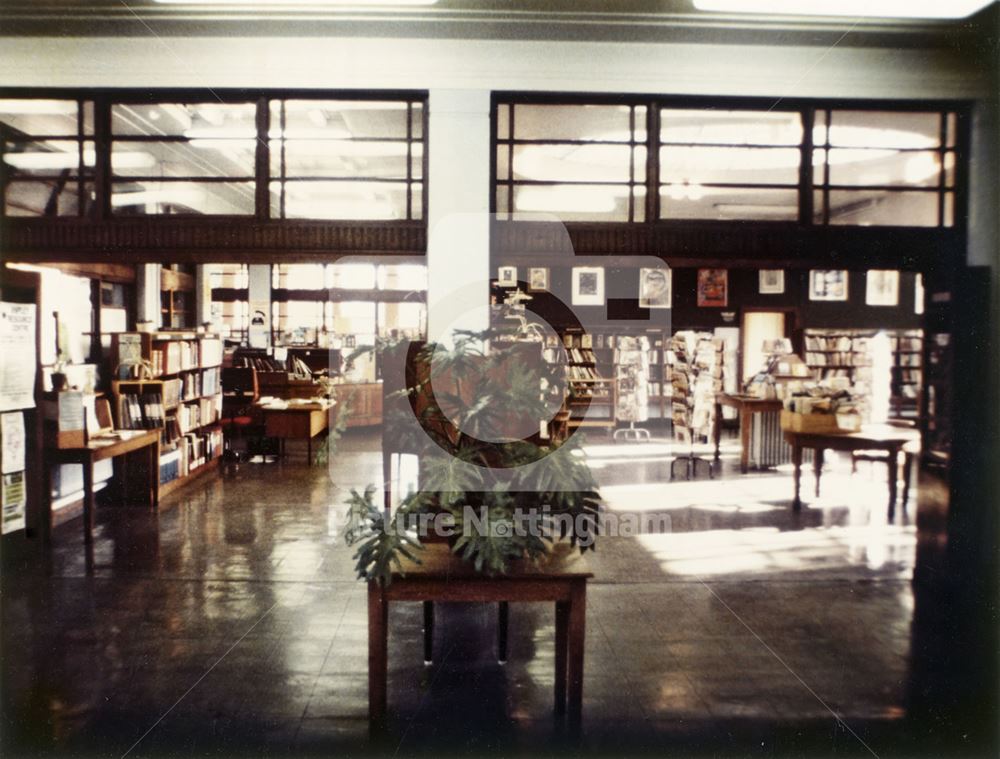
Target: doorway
{"points": [[757, 327]]}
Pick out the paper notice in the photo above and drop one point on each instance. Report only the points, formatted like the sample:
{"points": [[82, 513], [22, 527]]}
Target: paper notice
{"points": [[12, 435], [13, 497], [17, 356]]}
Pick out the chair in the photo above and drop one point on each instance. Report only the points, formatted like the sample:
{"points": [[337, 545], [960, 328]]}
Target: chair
{"points": [[239, 394]]}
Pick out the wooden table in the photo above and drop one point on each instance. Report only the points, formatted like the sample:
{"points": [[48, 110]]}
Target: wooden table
{"points": [[101, 448], [296, 422], [560, 578], [870, 438], [746, 406]]}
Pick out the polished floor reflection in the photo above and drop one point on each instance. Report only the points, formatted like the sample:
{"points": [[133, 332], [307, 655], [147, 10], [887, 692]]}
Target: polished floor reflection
{"points": [[231, 624]]}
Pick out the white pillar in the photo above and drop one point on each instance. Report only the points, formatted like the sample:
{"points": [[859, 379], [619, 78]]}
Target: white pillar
{"points": [[458, 246], [259, 295], [203, 293], [147, 290]]}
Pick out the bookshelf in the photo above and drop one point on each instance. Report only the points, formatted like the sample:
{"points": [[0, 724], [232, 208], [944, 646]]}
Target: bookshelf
{"points": [[831, 353], [907, 373], [183, 398], [591, 383], [697, 379]]}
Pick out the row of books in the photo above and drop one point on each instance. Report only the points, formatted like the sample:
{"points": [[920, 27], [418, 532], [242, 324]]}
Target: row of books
{"points": [[192, 451], [909, 359], [172, 356], [581, 355], [191, 416], [141, 411], [909, 376], [816, 341], [198, 383], [909, 341], [582, 373], [844, 358]]}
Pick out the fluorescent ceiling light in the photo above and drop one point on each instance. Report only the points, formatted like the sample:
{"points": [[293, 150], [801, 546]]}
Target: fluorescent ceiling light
{"points": [[302, 3], [566, 199], [32, 106], [852, 8], [36, 161]]}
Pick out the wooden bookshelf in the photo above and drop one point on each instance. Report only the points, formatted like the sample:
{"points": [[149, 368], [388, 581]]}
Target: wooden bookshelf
{"points": [[906, 382], [183, 398]]}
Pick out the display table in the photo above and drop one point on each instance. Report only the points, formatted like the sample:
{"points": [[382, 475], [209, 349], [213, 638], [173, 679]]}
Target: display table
{"points": [[746, 406], [296, 421], [560, 578], [101, 448], [892, 440]]}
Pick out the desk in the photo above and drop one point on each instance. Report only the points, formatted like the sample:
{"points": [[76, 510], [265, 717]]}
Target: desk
{"points": [[746, 406], [297, 422], [100, 449], [870, 438], [442, 576]]}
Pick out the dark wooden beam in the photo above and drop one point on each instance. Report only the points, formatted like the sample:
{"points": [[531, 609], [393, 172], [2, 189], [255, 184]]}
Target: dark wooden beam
{"points": [[156, 239]]}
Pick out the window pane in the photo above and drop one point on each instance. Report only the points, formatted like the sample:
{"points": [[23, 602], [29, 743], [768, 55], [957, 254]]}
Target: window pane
{"points": [[196, 121], [885, 129], [354, 318], [340, 119], [503, 121], [195, 158], [48, 158], [302, 276], [730, 165], [342, 200], [216, 198], [884, 167], [401, 319], [343, 158], [721, 203], [402, 277], [38, 117], [46, 198], [574, 202], [354, 276], [572, 163], [883, 208], [730, 127], [608, 123], [417, 121]]}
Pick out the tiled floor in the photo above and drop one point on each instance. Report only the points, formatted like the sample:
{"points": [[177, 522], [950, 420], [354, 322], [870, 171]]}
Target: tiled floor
{"points": [[232, 624]]}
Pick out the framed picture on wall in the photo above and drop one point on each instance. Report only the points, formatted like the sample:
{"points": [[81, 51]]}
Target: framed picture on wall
{"points": [[655, 287], [538, 279], [828, 284], [772, 281], [882, 287], [507, 276], [918, 294], [588, 286], [713, 288]]}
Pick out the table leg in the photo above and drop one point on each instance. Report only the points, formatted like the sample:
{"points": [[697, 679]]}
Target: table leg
{"points": [[907, 477], [717, 428], [88, 514], [893, 462], [428, 632], [744, 441], [309, 451], [378, 655], [576, 632], [154, 476], [562, 625], [818, 466], [797, 476], [503, 619]]}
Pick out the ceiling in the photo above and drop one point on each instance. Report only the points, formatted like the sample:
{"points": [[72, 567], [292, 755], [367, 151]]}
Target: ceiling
{"points": [[598, 20]]}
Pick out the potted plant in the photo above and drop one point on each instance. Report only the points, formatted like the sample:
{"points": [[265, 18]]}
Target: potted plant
{"points": [[505, 495]]}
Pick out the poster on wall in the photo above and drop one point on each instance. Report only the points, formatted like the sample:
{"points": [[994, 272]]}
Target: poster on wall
{"points": [[507, 276], [655, 287], [772, 281], [828, 284], [588, 286], [713, 288], [882, 287], [918, 294], [538, 279], [17, 356], [257, 334]]}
